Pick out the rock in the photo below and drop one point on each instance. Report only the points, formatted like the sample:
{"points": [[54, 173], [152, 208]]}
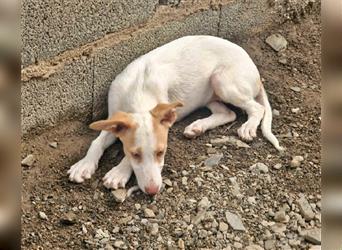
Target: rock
{"points": [[282, 61], [154, 229], [251, 200], [254, 247], [185, 181], [295, 110], [28, 161], [148, 213], [211, 151], [119, 195], [42, 215], [120, 244], [277, 42], [108, 247], [259, 167], [295, 89], [168, 182], [234, 221], [53, 144], [213, 160], [223, 227], [199, 217], [231, 140], [278, 228], [69, 218], [203, 204], [277, 166], [237, 245], [275, 112], [296, 161], [316, 247], [313, 236], [181, 244], [305, 208], [137, 206], [270, 244], [280, 216]]}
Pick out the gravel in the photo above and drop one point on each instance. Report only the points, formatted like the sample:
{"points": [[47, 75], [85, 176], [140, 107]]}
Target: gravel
{"points": [[234, 221], [277, 42], [305, 208], [119, 195], [28, 161]]}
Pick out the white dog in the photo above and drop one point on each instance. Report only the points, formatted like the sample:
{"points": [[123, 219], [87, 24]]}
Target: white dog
{"points": [[164, 86]]}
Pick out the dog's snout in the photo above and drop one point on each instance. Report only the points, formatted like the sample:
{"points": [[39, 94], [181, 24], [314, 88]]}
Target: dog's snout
{"points": [[152, 189]]}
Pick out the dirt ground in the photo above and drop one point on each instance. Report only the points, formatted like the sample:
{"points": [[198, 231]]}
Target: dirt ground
{"points": [[256, 197]]}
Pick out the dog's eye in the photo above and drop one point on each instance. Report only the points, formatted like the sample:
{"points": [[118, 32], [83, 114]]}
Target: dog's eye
{"points": [[136, 155], [160, 153]]}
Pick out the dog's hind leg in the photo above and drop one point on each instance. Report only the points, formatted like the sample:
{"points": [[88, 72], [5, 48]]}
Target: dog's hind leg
{"points": [[86, 167], [220, 116]]}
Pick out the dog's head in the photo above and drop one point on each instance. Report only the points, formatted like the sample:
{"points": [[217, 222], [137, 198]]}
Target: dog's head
{"points": [[144, 138]]}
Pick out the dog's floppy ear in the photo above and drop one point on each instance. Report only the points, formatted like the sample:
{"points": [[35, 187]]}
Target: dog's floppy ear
{"points": [[165, 113], [118, 124]]}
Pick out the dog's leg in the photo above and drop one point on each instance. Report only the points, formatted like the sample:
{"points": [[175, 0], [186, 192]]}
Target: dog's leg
{"points": [[118, 176], [220, 116], [235, 89], [86, 167]]}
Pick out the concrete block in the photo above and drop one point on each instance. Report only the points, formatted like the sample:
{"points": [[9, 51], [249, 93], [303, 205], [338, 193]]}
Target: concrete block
{"points": [[111, 61], [66, 95], [242, 19], [50, 27]]}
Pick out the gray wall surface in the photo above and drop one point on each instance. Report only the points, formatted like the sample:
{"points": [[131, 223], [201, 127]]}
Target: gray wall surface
{"points": [[72, 50]]}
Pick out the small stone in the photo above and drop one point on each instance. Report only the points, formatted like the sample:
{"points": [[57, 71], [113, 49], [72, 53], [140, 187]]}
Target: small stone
{"points": [[149, 213], [181, 244], [28, 161], [275, 112], [84, 229], [295, 89], [278, 228], [137, 206], [211, 151], [231, 140], [305, 208], [223, 227], [234, 221], [277, 166], [259, 167], [168, 182], [296, 161], [185, 181], [119, 244], [237, 245], [254, 247], [53, 144], [251, 200], [277, 42], [313, 236], [280, 216], [119, 195], [316, 247], [108, 247], [213, 160], [270, 244], [295, 110], [283, 61], [203, 204], [154, 229], [42, 215], [69, 218]]}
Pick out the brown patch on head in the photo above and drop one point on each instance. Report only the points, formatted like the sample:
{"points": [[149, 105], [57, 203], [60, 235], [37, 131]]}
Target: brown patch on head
{"points": [[163, 117], [123, 126]]}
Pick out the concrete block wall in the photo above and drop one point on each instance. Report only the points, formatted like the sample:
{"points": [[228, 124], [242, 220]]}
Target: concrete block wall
{"points": [[72, 50]]}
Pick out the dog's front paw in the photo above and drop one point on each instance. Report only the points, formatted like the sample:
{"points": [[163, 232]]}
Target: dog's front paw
{"points": [[82, 170], [247, 131], [117, 177], [193, 130]]}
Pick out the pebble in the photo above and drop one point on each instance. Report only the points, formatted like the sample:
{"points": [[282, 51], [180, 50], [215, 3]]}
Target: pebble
{"points": [[42, 215], [154, 229], [211, 151], [259, 167], [295, 110], [223, 227], [231, 140], [278, 228], [137, 206], [277, 166], [296, 161], [120, 244], [234, 221], [203, 204], [53, 144], [108, 247], [69, 218], [275, 112], [283, 60], [316, 247], [270, 244], [213, 160], [277, 42], [181, 244], [237, 245], [28, 161], [305, 208], [168, 182], [119, 195], [149, 213], [253, 247], [295, 89], [280, 216], [313, 236]]}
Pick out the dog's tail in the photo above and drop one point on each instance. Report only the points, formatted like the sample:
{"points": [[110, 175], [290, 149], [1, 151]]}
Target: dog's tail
{"points": [[266, 124]]}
